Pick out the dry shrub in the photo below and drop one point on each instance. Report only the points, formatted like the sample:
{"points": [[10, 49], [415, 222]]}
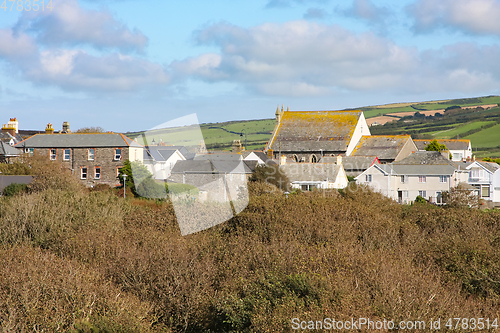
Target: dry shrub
{"points": [[306, 255], [41, 292], [51, 175]]}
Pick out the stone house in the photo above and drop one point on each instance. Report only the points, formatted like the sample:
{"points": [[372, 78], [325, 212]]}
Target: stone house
{"points": [[306, 136], [94, 158]]}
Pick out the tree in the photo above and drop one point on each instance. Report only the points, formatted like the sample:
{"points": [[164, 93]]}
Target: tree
{"points": [[435, 146], [91, 130], [140, 180]]}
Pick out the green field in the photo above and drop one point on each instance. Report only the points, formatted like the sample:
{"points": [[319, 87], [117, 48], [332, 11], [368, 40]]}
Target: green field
{"points": [[489, 137], [457, 131], [217, 136]]}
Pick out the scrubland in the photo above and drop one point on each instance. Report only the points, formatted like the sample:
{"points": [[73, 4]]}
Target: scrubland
{"points": [[89, 261]]}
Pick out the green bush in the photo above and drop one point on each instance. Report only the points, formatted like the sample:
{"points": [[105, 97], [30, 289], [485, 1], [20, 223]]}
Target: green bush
{"points": [[14, 189]]}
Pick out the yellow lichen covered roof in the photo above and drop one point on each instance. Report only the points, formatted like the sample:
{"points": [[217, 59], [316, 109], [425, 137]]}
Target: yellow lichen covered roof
{"points": [[303, 130]]}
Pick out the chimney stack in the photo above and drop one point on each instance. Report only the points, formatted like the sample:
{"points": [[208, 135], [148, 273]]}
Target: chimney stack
{"points": [[65, 127], [339, 160], [282, 159], [14, 123], [6, 128], [49, 129]]}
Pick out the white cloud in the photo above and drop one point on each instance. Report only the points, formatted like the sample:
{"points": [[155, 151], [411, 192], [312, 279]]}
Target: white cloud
{"points": [[15, 45], [303, 58], [366, 10], [80, 71], [471, 16], [312, 57], [68, 24]]}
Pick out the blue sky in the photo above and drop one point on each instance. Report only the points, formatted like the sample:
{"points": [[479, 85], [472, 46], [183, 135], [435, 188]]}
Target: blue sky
{"points": [[131, 65]]}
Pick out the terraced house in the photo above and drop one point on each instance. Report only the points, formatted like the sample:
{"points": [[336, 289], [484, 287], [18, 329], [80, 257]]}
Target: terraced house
{"points": [[94, 158]]}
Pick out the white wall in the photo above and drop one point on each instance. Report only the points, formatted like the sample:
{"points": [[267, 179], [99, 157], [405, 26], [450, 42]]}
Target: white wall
{"points": [[360, 130]]}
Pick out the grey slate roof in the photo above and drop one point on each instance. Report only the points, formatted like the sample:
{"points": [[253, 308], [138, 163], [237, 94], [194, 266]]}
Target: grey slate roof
{"points": [[490, 166], [8, 150], [459, 144], [414, 169], [352, 162], [77, 140], [385, 147], [219, 157], [211, 166], [307, 131], [6, 137], [425, 158], [310, 171]]}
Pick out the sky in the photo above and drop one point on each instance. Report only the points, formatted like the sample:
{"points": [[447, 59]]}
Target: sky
{"points": [[129, 65]]}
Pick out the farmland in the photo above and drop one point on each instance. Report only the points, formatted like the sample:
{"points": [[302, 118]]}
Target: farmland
{"points": [[474, 124]]}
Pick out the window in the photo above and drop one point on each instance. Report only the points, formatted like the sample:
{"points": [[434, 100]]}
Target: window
{"points": [[67, 154], [422, 179], [423, 194], [118, 170], [83, 173], [91, 154], [118, 154], [53, 154], [97, 173], [404, 179], [405, 194], [29, 151], [368, 178], [485, 191], [439, 198], [443, 179]]}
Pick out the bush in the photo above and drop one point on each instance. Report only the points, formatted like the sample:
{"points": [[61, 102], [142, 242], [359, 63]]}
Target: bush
{"points": [[14, 189], [420, 199], [270, 174]]}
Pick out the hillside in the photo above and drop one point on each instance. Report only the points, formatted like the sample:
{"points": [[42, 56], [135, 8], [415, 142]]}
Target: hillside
{"points": [[420, 119]]}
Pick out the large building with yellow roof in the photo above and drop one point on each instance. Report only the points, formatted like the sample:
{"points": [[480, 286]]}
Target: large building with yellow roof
{"points": [[308, 135]]}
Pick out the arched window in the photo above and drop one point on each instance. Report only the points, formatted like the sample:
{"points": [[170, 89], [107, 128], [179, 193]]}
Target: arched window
{"points": [[295, 158], [313, 159]]}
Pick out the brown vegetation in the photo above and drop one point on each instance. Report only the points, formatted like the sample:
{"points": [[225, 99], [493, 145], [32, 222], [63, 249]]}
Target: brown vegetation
{"points": [[89, 261]]}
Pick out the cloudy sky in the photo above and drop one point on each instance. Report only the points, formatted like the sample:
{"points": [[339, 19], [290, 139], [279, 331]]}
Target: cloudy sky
{"points": [[129, 65]]}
